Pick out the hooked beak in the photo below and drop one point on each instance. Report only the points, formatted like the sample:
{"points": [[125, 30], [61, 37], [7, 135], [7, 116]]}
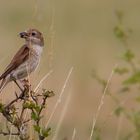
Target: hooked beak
{"points": [[23, 34]]}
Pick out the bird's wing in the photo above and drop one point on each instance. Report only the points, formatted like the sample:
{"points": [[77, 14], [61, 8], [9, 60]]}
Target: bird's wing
{"points": [[21, 56]]}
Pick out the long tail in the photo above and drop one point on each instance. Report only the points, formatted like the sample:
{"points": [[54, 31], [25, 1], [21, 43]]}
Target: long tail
{"points": [[3, 84]]}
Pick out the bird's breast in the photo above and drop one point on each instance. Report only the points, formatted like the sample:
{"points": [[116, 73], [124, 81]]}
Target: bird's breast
{"points": [[37, 49], [30, 64]]}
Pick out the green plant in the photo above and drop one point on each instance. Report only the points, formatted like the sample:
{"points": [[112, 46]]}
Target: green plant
{"points": [[33, 102], [130, 83]]}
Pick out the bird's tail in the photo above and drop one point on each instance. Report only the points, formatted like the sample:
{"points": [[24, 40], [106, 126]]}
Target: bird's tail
{"points": [[3, 83]]}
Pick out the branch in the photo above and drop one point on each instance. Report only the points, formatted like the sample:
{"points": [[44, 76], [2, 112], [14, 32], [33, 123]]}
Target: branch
{"points": [[8, 133]]}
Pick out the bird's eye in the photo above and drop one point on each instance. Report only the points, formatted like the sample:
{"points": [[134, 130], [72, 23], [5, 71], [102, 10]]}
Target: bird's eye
{"points": [[33, 33]]}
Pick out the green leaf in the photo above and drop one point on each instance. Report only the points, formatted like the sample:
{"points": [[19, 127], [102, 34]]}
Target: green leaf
{"points": [[1, 107], [135, 78], [118, 111], [136, 119], [29, 105], [34, 116], [119, 32], [138, 99], [47, 93], [32, 105], [26, 104], [121, 71], [37, 128], [128, 56], [97, 134], [124, 89], [46, 132], [37, 108]]}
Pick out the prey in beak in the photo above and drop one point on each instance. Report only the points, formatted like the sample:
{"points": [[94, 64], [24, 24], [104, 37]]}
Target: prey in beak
{"points": [[23, 34]]}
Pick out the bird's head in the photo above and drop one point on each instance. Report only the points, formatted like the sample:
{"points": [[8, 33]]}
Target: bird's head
{"points": [[33, 36]]}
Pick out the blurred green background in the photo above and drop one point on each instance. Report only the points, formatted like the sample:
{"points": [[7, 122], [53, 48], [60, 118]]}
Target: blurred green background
{"points": [[78, 34]]}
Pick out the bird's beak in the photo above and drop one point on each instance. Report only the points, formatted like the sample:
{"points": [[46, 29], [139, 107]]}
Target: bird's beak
{"points": [[23, 34]]}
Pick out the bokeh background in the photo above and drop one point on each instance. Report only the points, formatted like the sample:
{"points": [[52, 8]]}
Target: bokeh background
{"points": [[78, 34]]}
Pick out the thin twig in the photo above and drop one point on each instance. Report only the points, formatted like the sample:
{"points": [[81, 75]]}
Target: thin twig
{"points": [[18, 85], [8, 133], [17, 98]]}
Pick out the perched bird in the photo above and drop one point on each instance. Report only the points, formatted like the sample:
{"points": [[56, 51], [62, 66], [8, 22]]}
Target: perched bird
{"points": [[26, 59]]}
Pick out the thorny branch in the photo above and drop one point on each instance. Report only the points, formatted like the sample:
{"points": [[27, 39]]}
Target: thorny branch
{"points": [[35, 102]]}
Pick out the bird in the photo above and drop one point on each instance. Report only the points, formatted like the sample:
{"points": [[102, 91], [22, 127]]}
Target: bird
{"points": [[26, 60]]}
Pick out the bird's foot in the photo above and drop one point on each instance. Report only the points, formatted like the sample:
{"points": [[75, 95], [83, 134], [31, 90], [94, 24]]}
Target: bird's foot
{"points": [[26, 83]]}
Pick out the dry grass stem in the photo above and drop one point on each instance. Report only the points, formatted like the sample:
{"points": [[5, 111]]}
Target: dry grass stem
{"points": [[61, 117], [102, 101], [60, 96], [119, 127], [42, 80], [73, 134]]}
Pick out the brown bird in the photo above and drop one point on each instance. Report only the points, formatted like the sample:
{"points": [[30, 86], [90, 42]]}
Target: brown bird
{"points": [[26, 59]]}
